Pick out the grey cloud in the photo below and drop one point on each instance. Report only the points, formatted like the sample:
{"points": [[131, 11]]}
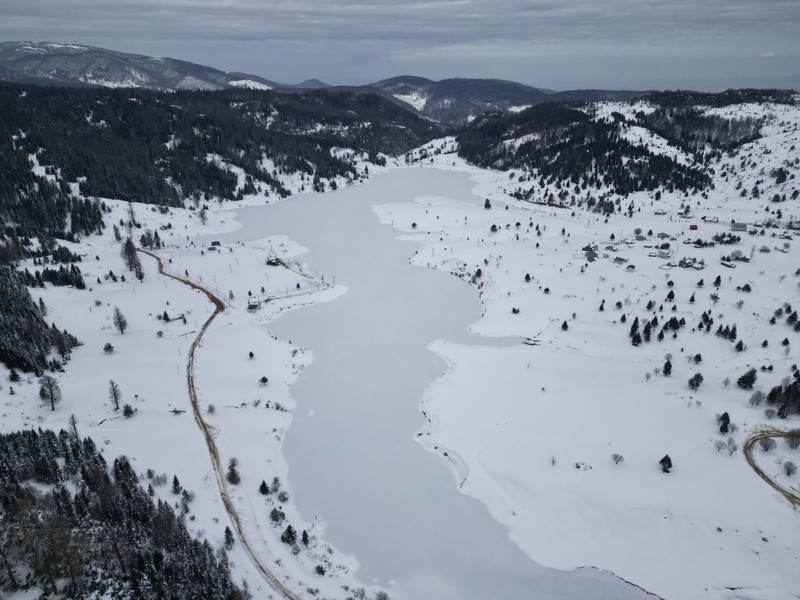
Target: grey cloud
{"points": [[569, 41]]}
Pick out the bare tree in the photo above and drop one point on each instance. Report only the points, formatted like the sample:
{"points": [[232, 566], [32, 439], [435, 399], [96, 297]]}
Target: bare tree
{"points": [[757, 398], [138, 270], [719, 445], [131, 218], [617, 458], [73, 425], [732, 447], [766, 444], [793, 438], [114, 393], [49, 390], [789, 468], [120, 322]]}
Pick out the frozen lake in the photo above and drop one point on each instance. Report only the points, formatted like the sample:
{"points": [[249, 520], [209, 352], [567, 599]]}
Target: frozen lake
{"points": [[353, 460]]}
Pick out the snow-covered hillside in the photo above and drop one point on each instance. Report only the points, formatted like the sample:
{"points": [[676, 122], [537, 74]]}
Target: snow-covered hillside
{"points": [[559, 435], [535, 427]]}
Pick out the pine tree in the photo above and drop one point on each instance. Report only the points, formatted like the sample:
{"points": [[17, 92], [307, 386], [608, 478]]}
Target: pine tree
{"points": [[229, 539], [666, 463], [233, 474], [634, 327], [289, 536], [748, 380], [695, 381], [724, 422], [128, 252], [176, 486]]}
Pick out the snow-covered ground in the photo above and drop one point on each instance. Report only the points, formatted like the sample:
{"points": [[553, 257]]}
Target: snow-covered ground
{"points": [[529, 430], [534, 427], [148, 362], [359, 405], [415, 99], [250, 84]]}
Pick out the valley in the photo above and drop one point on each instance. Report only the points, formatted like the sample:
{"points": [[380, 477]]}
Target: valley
{"points": [[457, 381]]}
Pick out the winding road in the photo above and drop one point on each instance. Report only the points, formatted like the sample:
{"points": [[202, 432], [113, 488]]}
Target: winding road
{"points": [[207, 431], [748, 448]]}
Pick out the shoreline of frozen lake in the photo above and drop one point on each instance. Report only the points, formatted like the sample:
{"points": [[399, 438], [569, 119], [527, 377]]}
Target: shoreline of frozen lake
{"points": [[353, 461]]}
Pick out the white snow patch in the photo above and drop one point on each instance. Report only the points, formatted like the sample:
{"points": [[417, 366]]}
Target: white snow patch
{"points": [[415, 99], [250, 84]]}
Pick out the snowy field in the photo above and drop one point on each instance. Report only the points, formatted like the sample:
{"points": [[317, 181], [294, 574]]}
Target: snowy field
{"points": [[534, 427], [521, 389]]}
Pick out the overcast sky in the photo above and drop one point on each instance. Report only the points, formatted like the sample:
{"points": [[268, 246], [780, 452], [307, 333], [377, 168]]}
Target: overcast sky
{"points": [[558, 44]]}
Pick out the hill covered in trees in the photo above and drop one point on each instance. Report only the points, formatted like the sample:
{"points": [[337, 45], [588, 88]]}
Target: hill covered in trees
{"points": [[71, 526], [162, 148], [25, 338], [580, 148], [455, 102]]}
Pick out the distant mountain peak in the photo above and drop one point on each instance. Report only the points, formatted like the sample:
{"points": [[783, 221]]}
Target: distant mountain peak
{"points": [[313, 84]]}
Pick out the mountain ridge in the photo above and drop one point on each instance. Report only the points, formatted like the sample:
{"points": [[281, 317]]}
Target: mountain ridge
{"points": [[452, 102], [49, 63]]}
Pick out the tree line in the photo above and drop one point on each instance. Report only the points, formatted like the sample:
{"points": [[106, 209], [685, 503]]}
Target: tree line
{"points": [[72, 526], [152, 147], [25, 337], [567, 147]]}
